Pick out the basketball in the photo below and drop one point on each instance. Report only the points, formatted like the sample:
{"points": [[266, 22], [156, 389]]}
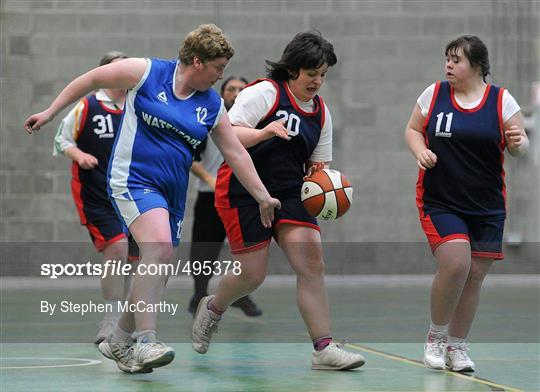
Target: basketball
{"points": [[327, 194]]}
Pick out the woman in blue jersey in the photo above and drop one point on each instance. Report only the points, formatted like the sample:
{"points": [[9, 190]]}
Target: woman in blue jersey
{"points": [[170, 109], [287, 129], [457, 133]]}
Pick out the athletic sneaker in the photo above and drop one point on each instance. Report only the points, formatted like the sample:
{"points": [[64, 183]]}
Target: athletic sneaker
{"points": [[335, 357], [247, 306], [204, 325], [457, 359], [434, 351], [106, 326], [121, 353], [150, 353]]}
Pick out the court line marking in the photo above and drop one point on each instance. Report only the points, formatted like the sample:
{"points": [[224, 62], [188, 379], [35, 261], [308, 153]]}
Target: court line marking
{"points": [[420, 364], [87, 362]]}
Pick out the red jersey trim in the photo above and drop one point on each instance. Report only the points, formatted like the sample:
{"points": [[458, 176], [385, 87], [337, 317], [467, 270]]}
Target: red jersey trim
{"points": [[296, 223], [323, 113], [113, 111], [276, 101], [101, 244], [475, 109], [488, 255], [431, 106], [295, 105], [76, 190], [223, 180], [502, 146]]}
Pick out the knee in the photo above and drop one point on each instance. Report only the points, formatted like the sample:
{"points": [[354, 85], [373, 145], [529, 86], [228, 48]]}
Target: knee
{"points": [[476, 275], [253, 278], [456, 270], [311, 268], [157, 253], [116, 251]]}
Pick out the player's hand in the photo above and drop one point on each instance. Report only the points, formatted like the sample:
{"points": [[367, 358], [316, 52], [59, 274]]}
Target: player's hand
{"points": [[426, 159], [36, 121], [514, 137], [266, 209], [276, 128], [87, 161], [212, 183], [313, 168]]}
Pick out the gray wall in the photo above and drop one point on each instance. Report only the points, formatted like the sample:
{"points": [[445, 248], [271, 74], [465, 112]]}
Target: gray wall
{"points": [[389, 51]]}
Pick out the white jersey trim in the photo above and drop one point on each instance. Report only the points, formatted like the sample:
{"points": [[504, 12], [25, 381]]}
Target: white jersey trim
{"points": [[121, 159]]}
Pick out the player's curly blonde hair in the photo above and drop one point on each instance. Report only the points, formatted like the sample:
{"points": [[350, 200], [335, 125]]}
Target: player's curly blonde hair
{"points": [[207, 42]]}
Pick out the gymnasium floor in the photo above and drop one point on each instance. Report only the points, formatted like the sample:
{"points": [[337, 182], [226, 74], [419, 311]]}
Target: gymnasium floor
{"points": [[384, 318]]}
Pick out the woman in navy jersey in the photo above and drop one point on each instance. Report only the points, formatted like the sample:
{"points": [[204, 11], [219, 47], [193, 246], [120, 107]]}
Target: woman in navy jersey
{"points": [[458, 132], [170, 109], [287, 130], [86, 136]]}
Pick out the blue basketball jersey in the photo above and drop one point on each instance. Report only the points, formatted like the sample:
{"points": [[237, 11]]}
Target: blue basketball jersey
{"points": [[158, 136], [469, 143], [279, 162]]}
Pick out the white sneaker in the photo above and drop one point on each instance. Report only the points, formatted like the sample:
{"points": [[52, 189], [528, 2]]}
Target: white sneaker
{"points": [[204, 325], [121, 353], [457, 359], [434, 351], [150, 353], [334, 357], [106, 326]]}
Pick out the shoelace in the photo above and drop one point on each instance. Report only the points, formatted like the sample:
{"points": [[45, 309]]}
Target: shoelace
{"points": [[460, 351], [209, 326]]}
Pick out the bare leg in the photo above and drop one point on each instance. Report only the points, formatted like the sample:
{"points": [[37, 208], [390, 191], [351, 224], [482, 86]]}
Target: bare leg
{"points": [[152, 232], [112, 286], [453, 264], [463, 316], [302, 246], [231, 287]]}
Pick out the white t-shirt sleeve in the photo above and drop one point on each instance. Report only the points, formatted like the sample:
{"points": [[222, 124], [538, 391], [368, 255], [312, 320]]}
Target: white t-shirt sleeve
{"points": [[220, 114], [323, 150], [509, 106], [424, 100], [253, 104], [68, 130]]}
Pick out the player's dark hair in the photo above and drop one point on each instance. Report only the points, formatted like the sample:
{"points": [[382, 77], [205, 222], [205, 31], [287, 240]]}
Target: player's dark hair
{"points": [[113, 55], [307, 50], [231, 78], [475, 51]]}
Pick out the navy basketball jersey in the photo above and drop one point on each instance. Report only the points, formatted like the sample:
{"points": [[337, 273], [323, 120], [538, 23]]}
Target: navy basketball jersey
{"points": [[279, 162], [96, 136], [159, 134], [469, 143]]}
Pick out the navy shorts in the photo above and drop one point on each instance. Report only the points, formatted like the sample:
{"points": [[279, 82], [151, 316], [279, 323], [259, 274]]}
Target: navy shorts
{"points": [[246, 232], [484, 234]]}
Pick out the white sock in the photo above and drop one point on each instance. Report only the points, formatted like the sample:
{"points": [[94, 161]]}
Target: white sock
{"points": [[453, 341], [438, 329], [114, 305], [119, 335]]}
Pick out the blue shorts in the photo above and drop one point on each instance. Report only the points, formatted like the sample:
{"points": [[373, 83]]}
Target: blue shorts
{"points": [[246, 232], [484, 234], [132, 204]]}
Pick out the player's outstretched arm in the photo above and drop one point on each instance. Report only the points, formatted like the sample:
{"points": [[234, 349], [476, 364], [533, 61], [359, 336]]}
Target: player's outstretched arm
{"points": [[121, 74], [516, 138], [239, 160], [425, 158]]}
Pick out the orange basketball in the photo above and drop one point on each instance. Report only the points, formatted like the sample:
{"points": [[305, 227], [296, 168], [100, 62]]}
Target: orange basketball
{"points": [[327, 194]]}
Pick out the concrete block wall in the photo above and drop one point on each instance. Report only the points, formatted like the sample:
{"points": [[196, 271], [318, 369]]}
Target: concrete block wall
{"points": [[389, 51]]}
